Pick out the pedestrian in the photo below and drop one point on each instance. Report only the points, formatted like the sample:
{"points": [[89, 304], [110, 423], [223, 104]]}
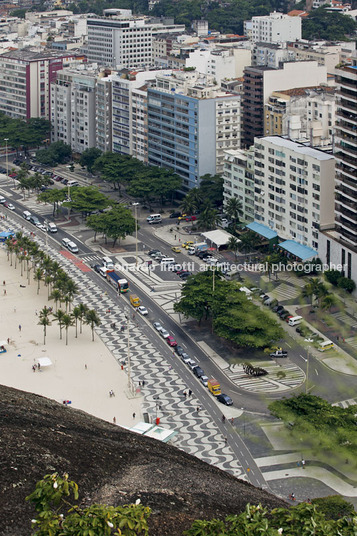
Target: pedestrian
{"points": [[134, 415], [4, 291], [143, 383], [175, 237], [185, 394], [8, 340], [110, 394], [198, 409], [34, 368], [226, 440], [36, 312], [303, 464], [189, 392], [19, 327], [4, 282], [298, 464], [85, 366], [223, 418], [232, 421], [38, 366], [114, 420], [139, 384]]}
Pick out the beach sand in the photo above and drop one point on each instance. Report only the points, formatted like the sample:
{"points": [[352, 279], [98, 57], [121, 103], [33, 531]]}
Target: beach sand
{"points": [[68, 378]]}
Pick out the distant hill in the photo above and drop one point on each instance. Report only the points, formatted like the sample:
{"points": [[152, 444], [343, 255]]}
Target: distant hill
{"points": [[111, 465]]}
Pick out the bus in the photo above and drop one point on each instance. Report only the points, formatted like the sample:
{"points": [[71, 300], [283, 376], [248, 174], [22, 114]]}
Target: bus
{"points": [[123, 285], [120, 284]]}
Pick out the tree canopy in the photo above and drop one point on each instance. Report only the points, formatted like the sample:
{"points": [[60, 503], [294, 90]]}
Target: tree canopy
{"points": [[88, 158], [57, 153], [116, 223], [319, 426], [321, 24], [207, 295], [87, 199], [24, 134]]}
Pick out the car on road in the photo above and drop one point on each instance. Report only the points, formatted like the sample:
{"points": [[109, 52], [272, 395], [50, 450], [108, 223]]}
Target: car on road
{"points": [[64, 181], [142, 310], [185, 358], [198, 372], [184, 274], [276, 308], [96, 267], [2, 170], [191, 218], [176, 249], [153, 252], [179, 350], [204, 380], [175, 214], [41, 226], [187, 244], [171, 341], [58, 178], [204, 254], [182, 216], [279, 352], [224, 399], [157, 326], [192, 364], [285, 315], [164, 334], [10, 206]]}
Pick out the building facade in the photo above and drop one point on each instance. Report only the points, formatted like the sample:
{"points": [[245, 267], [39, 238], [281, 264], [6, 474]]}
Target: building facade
{"points": [[120, 43], [25, 80], [190, 124], [238, 175], [275, 28], [294, 189], [339, 244]]}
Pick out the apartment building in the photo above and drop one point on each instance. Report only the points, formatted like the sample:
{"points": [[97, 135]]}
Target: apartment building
{"points": [[302, 114], [275, 28], [271, 55], [339, 244], [294, 189], [190, 124], [81, 109], [120, 42], [327, 54], [260, 82], [238, 175], [220, 63], [25, 80]]}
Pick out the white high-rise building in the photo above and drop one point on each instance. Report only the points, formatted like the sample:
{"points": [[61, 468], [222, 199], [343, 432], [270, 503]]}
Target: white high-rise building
{"points": [[294, 189], [238, 175], [119, 43], [275, 28]]}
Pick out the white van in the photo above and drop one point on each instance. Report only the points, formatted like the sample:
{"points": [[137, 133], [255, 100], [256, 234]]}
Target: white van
{"points": [[51, 228], [73, 183], [72, 247], [167, 261], [108, 263], [326, 345], [27, 215], [154, 218], [295, 320], [65, 242]]}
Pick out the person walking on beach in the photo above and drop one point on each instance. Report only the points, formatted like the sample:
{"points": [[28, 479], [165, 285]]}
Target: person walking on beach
{"points": [[19, 327], [114, 420], [134, 415]]}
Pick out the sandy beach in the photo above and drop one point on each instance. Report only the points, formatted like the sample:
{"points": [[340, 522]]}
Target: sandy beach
{"points": [[83, 372]]}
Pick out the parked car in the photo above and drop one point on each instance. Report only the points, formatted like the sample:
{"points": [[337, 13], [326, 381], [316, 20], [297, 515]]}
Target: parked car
{"points": [[279, 308], [276, 308], [184, 274], [157, 326], [285, 315], [204, 380], [153, 252], [2, 170], [171, 341], [64, 181], [179, 350], [164, 334], [142, 310], [185, 358], [192, 364], [176, 249], [225, 399], [175, 214], [191, 218], [198, 372], [96, 267], [10, 206], [279, 352], [58, 178]]}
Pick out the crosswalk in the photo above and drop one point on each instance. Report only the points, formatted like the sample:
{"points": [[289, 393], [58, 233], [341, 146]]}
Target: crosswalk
{"points": [[346, 403], [284, 292], [91, 259], [345, 319]]}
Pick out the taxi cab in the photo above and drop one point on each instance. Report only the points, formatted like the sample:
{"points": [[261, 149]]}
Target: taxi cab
{"points": [[176, 249]]}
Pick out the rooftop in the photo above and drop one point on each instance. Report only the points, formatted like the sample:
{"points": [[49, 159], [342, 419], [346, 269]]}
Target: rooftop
{"points": [[29, 54], [262, 230], [298, 147], [298, 250]]}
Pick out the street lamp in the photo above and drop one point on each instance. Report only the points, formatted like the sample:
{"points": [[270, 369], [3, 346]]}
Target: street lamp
{"points": [[7, 157]]}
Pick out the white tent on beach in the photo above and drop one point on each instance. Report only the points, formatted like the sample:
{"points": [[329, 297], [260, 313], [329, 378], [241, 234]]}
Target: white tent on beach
{"points": [[44, 362]]}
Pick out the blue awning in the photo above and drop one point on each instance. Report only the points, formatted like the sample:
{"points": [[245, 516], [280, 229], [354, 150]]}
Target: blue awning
{"points": [[299, 250], [262, 230]]}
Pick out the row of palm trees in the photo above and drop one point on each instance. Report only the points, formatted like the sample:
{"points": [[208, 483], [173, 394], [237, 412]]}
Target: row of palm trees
{"points": [[81, 313], [318, 292], [26, 253]]}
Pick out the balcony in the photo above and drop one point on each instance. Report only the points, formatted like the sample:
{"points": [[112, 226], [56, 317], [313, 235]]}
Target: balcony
{"points": [[347, 214]]}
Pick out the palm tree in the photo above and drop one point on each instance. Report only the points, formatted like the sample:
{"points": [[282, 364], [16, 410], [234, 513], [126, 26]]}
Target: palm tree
{"points": [[38, 276], [70, 289], [248, 241], [67, 300], [328, 301], [92, 319], [48, 281], [76, 313], [319, 289], [56, 295], [233, 244], [188, 206], [58, 315], [44, 321], [308, 291], [67, 321], [208, 218], [83, 309], [234, 209]]}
